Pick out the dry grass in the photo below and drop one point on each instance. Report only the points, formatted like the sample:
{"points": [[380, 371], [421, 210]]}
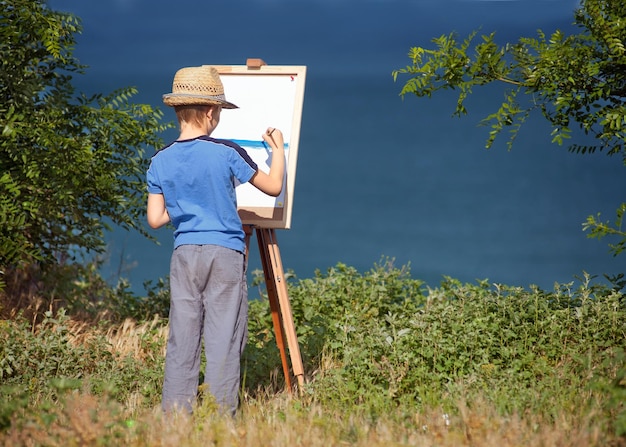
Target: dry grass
{"points": [[282, 420], [128, 338]]}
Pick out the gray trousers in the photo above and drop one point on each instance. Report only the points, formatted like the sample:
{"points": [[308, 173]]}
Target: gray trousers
{"points": [[209, 299]]}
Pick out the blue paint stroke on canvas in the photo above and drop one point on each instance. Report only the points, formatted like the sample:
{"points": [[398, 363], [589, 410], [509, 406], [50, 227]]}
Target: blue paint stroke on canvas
{"points": [[255, 144]]}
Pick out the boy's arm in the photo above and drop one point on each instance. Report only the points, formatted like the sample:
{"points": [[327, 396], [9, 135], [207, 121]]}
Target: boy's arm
{"points": [[156, 212], [272, 183]]}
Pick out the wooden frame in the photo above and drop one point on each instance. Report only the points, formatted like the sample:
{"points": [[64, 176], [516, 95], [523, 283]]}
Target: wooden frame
{"points": [[267, 96], [280, 307]]}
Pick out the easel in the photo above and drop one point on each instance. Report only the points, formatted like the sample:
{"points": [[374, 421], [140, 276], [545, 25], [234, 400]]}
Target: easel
{"points": [[279, 301], [276, 285]]}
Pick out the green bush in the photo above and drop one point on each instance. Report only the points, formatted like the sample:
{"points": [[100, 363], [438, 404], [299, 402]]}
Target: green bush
{"points": [[375, 344], [380, 341], [71, 164], [34, 357], [33, 360], [323, 307]]}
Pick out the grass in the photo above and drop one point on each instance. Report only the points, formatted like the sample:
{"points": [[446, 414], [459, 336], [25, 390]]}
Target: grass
{"points": [[388, 360], [282, 420]]}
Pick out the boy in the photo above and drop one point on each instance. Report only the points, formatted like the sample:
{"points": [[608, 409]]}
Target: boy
{"points": [[191, 183]]}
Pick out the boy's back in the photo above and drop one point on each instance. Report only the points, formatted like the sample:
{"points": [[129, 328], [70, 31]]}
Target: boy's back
{"points": [[196, 178]]}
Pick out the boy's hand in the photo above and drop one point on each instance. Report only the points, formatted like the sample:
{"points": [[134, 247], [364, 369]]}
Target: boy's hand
{"points": [[274, 137], [272, 182]]}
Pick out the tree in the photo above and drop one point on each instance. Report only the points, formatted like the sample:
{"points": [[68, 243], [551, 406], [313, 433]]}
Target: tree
{"points": [[573, 81], [70, 165]]}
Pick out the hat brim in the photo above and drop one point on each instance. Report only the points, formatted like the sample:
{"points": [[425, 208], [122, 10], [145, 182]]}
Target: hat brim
{"points": [[182, 99]]}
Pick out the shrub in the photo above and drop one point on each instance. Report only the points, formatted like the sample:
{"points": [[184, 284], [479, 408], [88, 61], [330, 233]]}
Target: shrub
{"points": [[381, 341], [33, 359], [373, 345]]}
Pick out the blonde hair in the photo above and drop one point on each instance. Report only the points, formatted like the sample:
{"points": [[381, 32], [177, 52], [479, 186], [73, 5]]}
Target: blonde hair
{"points": [[192, 114]]}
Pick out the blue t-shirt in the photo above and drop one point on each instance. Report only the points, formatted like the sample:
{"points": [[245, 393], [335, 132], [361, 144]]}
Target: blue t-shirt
{"points": [[197, 180]]}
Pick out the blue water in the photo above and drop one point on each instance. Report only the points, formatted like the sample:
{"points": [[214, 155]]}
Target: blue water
{"points": [[377, 176]]}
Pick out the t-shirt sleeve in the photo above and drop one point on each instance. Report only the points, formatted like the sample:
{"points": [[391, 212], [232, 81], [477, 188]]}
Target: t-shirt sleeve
{"points": [[243, 167], [154, 187]]}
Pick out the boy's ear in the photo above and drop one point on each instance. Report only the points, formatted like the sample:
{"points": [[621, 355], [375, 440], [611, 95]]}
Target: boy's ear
{"points": [[210, 111]]}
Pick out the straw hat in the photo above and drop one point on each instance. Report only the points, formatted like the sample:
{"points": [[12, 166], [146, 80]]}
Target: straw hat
{"points": [[197, 86]]}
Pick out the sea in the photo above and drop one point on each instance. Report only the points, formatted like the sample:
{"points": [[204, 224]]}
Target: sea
{"points": [[380, 178]]}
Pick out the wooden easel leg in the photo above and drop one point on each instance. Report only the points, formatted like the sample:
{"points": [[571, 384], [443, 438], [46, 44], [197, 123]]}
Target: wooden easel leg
{"points": [[272, 294], [275, 279]]}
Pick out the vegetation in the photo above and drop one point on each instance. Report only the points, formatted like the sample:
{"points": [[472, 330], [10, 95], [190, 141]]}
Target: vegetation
{"points": [[575, 81], [69, 163], [388, 360]]}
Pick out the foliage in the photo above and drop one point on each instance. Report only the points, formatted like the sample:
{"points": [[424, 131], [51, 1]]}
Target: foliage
{"points": [[375, 345], [73, 419], [324, 306], [573, 81], [69, 164], [382, 342], [81, 291], [473, 339], [87, 294], [35, 360]]}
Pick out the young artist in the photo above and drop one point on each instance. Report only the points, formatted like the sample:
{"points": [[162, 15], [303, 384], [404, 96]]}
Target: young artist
{"points": [[191, 183]]}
